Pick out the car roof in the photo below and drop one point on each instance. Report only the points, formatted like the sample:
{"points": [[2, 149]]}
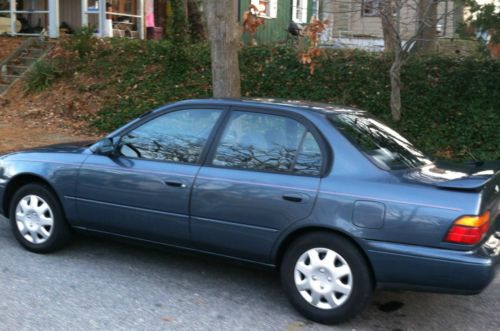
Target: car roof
{"points": [[318, 107]]}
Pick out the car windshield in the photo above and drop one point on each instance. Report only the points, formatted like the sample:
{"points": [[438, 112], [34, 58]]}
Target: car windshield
{"points": [[384, 146]]}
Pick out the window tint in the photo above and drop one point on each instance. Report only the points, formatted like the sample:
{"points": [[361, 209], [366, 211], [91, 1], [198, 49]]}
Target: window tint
{"points": [[384, 146], [178, 136], [265, 142], [309, 158]]}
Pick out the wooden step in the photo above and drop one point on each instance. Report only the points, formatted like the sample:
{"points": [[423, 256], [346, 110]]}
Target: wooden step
{"points": [[35, 51], [16, 69], [26, 60], [14, 66], [8, 78]]}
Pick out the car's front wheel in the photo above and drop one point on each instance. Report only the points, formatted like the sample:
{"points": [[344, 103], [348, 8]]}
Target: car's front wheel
{"points": [[37, 219], [326, 278]]}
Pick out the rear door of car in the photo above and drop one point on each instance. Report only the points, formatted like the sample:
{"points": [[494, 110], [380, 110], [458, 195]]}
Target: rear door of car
{"points": [[261, 175], [143, 191]]}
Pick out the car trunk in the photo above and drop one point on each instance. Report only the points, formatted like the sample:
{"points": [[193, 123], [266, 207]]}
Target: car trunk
{"points": [[481, 178]]}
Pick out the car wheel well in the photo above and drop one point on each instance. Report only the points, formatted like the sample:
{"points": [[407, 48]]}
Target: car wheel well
{"points": [[306, 231], [16, 183]]}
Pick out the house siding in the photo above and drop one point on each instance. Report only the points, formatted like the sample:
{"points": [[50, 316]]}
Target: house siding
{"points": [[274, 29], [346, 19], [70, 11], [36, 19]]}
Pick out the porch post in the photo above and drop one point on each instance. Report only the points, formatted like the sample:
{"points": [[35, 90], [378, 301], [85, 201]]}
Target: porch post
{"points": [[13, 17], [54, 18], [85, 16], [102, 18], [140, 9]]}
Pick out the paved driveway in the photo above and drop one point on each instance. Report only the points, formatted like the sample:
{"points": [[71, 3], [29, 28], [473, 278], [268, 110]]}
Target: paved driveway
{"points": [[102, 285]]}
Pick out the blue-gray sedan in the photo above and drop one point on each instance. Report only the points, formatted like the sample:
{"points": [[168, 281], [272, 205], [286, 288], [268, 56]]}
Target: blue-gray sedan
{"points": [[330, 196]]}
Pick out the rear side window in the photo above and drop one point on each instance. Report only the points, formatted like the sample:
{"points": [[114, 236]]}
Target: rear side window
{"points": [[384, 146], [266, 142]]}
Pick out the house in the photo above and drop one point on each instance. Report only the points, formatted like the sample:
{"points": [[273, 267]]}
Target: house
{"points": [[359, 21], [354, 22], [108, 17], [277, 15]]}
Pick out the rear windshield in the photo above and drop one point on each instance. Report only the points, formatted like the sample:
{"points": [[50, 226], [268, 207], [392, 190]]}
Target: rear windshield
{"points": [[384, 146]]}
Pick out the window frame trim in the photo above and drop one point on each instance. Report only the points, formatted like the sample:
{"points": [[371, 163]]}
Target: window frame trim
{"points": [[155, 114], [302, 20], [325, 149], [273, 10], [363, 5]]}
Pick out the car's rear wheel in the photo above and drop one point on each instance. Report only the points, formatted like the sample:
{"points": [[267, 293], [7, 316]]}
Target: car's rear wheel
{"points": [[37, 219], [326, 278]]}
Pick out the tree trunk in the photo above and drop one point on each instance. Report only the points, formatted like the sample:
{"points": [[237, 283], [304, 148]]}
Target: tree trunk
{"points": [[388, 26], [224, 35], [427, 25], [395, 74]]}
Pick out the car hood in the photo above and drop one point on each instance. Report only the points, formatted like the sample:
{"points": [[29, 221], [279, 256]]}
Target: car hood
{"points": [[68, 147], [460, 176]]}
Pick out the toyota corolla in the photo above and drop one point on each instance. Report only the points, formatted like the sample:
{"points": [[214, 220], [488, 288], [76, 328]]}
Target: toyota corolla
{"points": [[331, 197]]}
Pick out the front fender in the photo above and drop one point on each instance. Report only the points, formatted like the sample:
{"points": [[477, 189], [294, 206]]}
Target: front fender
{"points": [[59, 172]]}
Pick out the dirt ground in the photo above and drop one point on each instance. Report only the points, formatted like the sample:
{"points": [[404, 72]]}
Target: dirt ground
{"points": [[59, 114], [30, 121], [37, 120]]}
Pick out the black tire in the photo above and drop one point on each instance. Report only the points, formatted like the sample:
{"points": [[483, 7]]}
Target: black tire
{"points": [[60, 233], [362, 282]]}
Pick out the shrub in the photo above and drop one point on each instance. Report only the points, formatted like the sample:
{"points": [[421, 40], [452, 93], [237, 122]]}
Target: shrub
{"points": [[41, 76], [450, 104], [82, 42]]}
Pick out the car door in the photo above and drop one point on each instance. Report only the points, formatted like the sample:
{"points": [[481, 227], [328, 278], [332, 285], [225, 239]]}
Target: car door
{"points": [[143, 191], [262, 175]]}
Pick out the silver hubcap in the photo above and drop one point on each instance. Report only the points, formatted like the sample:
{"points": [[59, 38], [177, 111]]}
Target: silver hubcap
{"points": [[34, 219], [323, 278]]}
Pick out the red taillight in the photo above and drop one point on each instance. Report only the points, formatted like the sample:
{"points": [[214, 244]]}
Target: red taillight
{"points": [[469, 230]]}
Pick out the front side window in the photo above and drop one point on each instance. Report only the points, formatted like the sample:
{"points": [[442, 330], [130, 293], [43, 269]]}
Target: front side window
{"points": [[178, 136], [257, 141], [384, 146], [308, 160]]}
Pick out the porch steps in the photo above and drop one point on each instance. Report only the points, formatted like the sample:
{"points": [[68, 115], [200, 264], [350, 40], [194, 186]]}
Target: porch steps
{"points": [[21, 61]]}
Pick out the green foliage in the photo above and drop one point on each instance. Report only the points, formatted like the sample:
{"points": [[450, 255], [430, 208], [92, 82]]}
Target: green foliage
{"points": [[82, 42], [483, 18], [177, 28], [41, 76], [450, 104]]}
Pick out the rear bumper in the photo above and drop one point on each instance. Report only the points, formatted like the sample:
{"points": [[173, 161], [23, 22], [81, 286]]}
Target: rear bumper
{"points": [[408, 267]]}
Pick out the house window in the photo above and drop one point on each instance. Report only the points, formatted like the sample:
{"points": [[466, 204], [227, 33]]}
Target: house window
{"points": [[267, 8], [124, 6], [371, 8], [299, 11]]}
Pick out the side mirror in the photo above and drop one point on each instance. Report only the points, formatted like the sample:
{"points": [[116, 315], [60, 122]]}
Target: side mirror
{"points": [[104, 147]]}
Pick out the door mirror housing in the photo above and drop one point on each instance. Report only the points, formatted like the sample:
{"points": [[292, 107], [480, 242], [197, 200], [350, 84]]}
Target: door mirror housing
{"points": [[104, 147]]}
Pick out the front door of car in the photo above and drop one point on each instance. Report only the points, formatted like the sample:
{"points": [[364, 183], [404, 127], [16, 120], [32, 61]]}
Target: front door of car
{"points": [[262, 175], [143, 191]]}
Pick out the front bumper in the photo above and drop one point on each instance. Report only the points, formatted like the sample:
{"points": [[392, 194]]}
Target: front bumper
{"points": [[408, 267]]}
